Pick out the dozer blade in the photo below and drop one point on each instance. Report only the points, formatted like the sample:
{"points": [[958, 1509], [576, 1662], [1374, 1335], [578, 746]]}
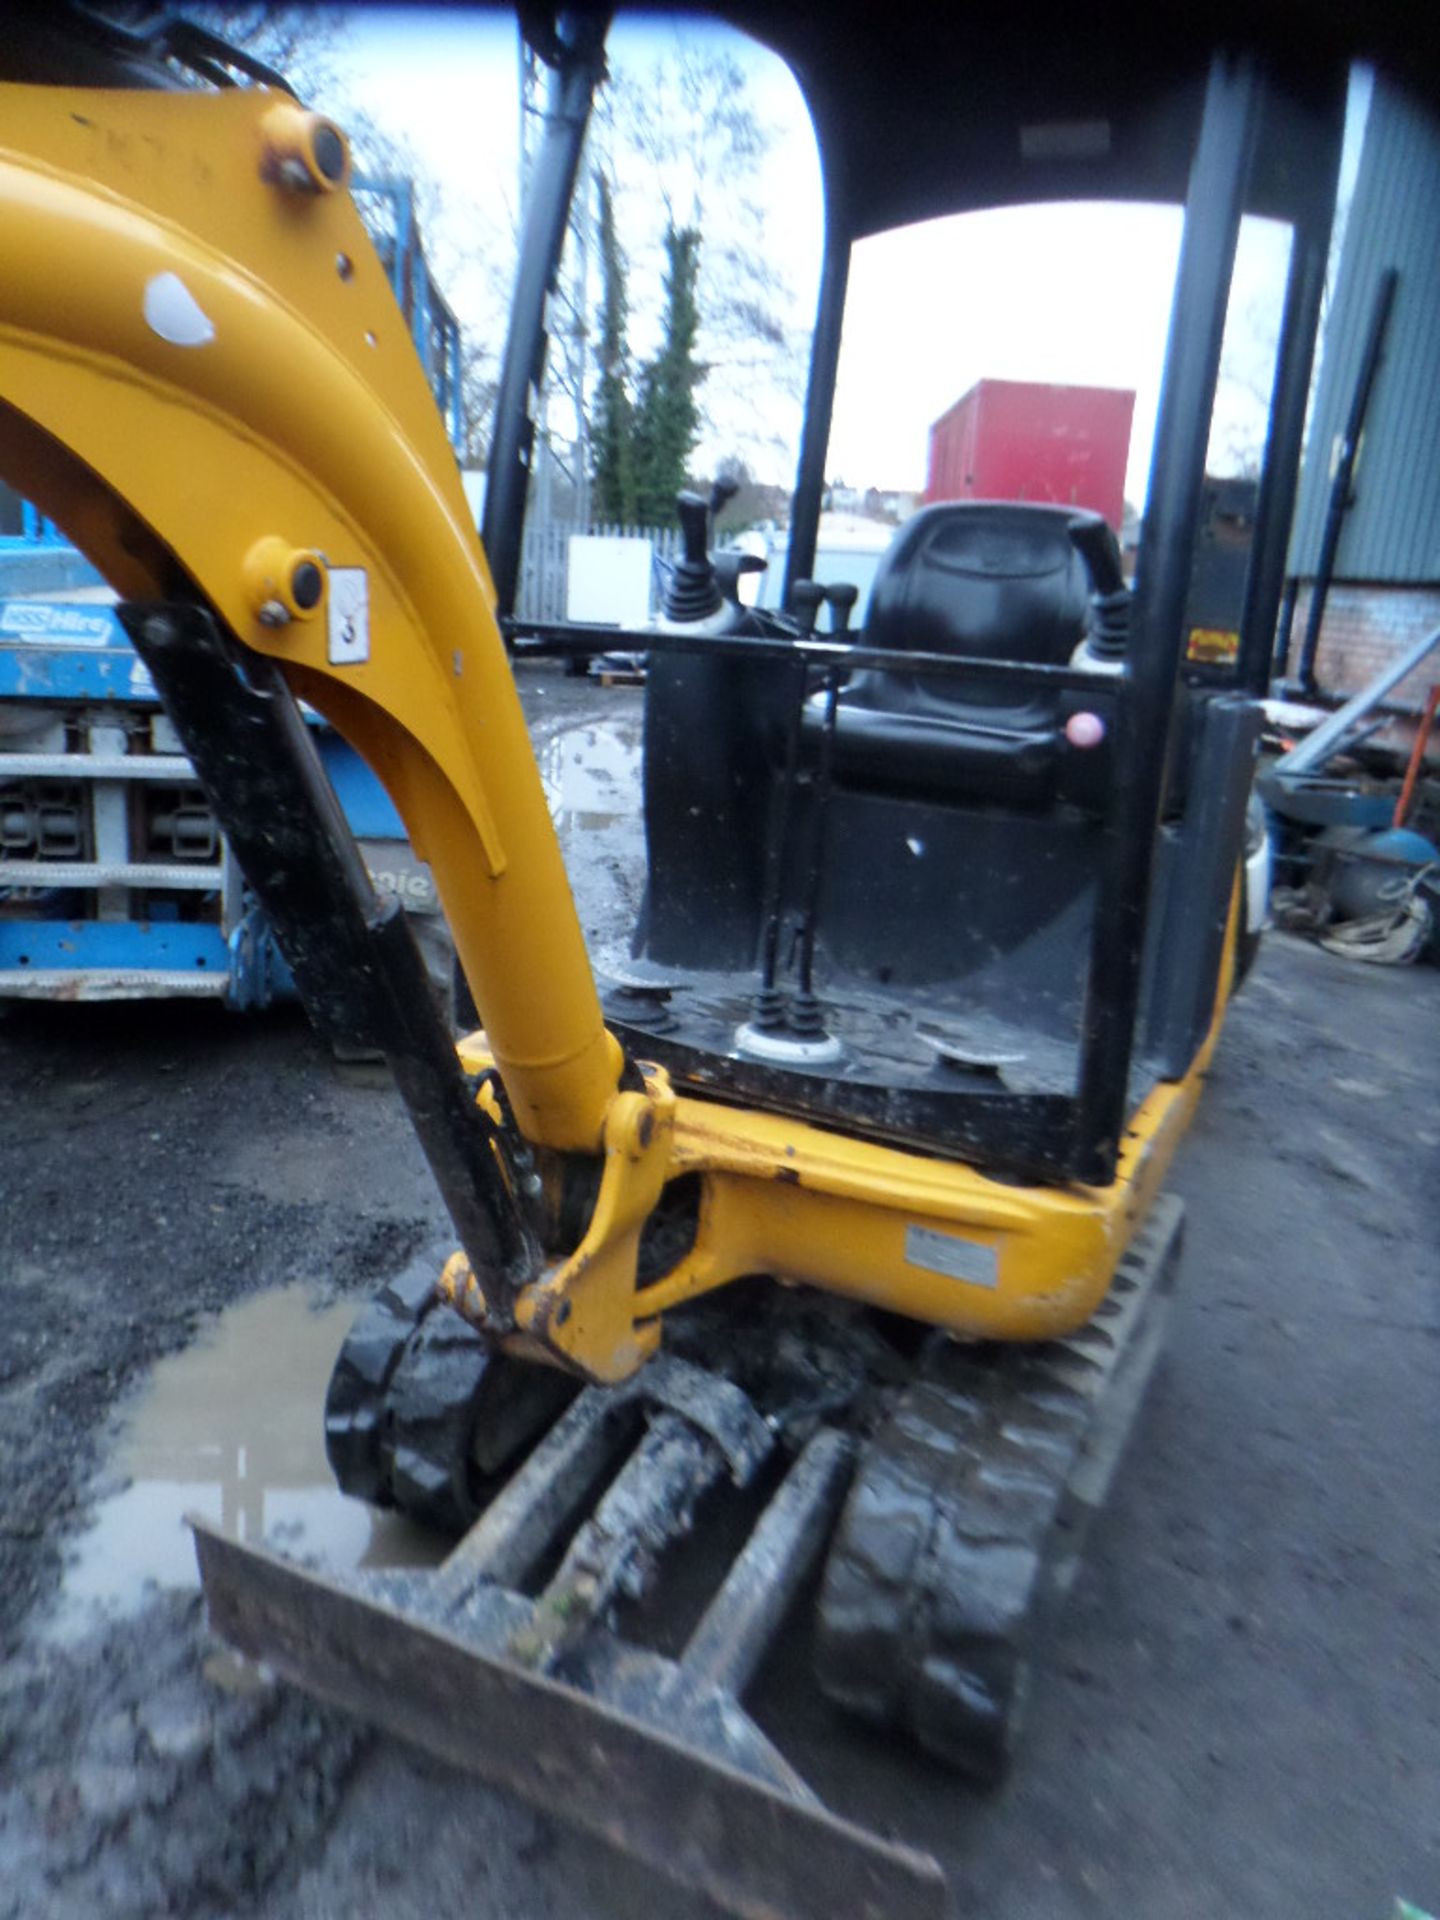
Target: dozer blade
{"points": [[655, 1756]]}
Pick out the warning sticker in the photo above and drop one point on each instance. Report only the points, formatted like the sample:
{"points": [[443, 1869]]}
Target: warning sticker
{"points": [[348, 611], [1213, 646], [957, 1259]]}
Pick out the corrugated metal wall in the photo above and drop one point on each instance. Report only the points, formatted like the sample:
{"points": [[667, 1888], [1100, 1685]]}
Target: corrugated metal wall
{"points": [[1392, 532]]}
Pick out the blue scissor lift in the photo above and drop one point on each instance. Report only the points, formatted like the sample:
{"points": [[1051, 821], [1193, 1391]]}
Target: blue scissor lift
{"points": [[115, 881]]}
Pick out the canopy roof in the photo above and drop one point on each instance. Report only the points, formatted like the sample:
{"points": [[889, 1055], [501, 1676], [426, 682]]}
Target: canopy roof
{"points": [[928, 110]]}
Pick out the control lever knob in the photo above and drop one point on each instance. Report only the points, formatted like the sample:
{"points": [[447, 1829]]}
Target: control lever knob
{"points": [[1108, 639], [842, 598], [807, 597], [731, 566], [723, 492], [693, 511]]}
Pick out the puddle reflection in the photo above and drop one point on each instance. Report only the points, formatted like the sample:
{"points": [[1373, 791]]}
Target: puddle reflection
{"points": [[592, 775], [232, 1428]]}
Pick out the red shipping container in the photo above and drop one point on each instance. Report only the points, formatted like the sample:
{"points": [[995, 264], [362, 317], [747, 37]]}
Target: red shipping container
{"points": [[1024, 440]]}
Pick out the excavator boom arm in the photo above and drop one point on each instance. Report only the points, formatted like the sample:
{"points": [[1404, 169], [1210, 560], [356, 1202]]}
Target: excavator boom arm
{"points": [[209, 385]]}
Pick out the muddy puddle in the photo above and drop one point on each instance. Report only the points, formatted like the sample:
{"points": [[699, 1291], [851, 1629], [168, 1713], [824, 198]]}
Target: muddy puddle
{"points": [[592, 774], [232, 1429]]}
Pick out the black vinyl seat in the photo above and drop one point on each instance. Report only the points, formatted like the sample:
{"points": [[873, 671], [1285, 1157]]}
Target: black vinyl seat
{"points": [[988, 580]]}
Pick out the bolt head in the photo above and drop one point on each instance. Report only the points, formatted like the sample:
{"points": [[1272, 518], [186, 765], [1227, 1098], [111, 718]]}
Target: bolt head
{"points": [[328, 150], [307, 583]]}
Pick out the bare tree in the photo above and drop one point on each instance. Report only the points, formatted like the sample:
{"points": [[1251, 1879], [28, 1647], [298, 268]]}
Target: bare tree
{"points": [[298, 42], [1242, 391], [687, 150]]}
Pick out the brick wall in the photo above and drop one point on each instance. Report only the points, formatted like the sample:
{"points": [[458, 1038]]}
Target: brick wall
{"points": [[1364, 628]]}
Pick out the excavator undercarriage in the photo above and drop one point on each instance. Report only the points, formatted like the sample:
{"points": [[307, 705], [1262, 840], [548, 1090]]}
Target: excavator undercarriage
{"points": [[950, 1484]]}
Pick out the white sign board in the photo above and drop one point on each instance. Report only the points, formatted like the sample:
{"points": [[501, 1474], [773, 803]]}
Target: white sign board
{"points": [[609, 580]]}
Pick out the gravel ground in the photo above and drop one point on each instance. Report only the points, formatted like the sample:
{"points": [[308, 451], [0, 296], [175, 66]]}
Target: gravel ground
{"points": [[1239, 1714]]}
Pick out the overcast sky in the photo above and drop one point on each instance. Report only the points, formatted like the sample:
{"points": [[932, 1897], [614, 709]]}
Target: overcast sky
{"points": [[1011, 295]]}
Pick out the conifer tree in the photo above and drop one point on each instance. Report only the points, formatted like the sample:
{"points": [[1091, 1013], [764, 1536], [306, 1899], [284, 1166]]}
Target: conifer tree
{"points": [[667, 412], [612, 436]]}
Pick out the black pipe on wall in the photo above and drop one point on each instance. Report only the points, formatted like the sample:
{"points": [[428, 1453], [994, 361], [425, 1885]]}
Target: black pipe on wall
{"points": [[1342, 486], [1289, 400]]}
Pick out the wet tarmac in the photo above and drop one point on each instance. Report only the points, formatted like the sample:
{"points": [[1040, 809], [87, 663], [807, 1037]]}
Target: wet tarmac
{"points": [[592, 774], [587, 741]]}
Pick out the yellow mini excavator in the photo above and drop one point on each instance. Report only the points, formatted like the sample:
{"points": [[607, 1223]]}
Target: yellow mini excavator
{"points": [[835, 1207]]}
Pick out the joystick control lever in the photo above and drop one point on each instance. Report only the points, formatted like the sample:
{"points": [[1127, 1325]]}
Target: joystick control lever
{"points": [[692, 593]]}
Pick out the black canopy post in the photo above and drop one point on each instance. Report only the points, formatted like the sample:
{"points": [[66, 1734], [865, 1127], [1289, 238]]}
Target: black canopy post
{"points": [[1289, 397], [819, 399], [573, 45], [1213, 208]]}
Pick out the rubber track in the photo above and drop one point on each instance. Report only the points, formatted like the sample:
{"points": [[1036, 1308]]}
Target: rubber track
{"points": [[431, 1408], [401, 1405], [355, 1399], [419, 1416], [963, 1520]]}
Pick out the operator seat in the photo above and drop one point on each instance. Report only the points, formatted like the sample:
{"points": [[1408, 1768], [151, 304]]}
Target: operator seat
{"points": [[991, 580], [958, 776]]}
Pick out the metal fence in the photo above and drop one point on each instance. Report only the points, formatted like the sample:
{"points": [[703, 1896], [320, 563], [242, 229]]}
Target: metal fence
{"points": [[545, 563]]}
